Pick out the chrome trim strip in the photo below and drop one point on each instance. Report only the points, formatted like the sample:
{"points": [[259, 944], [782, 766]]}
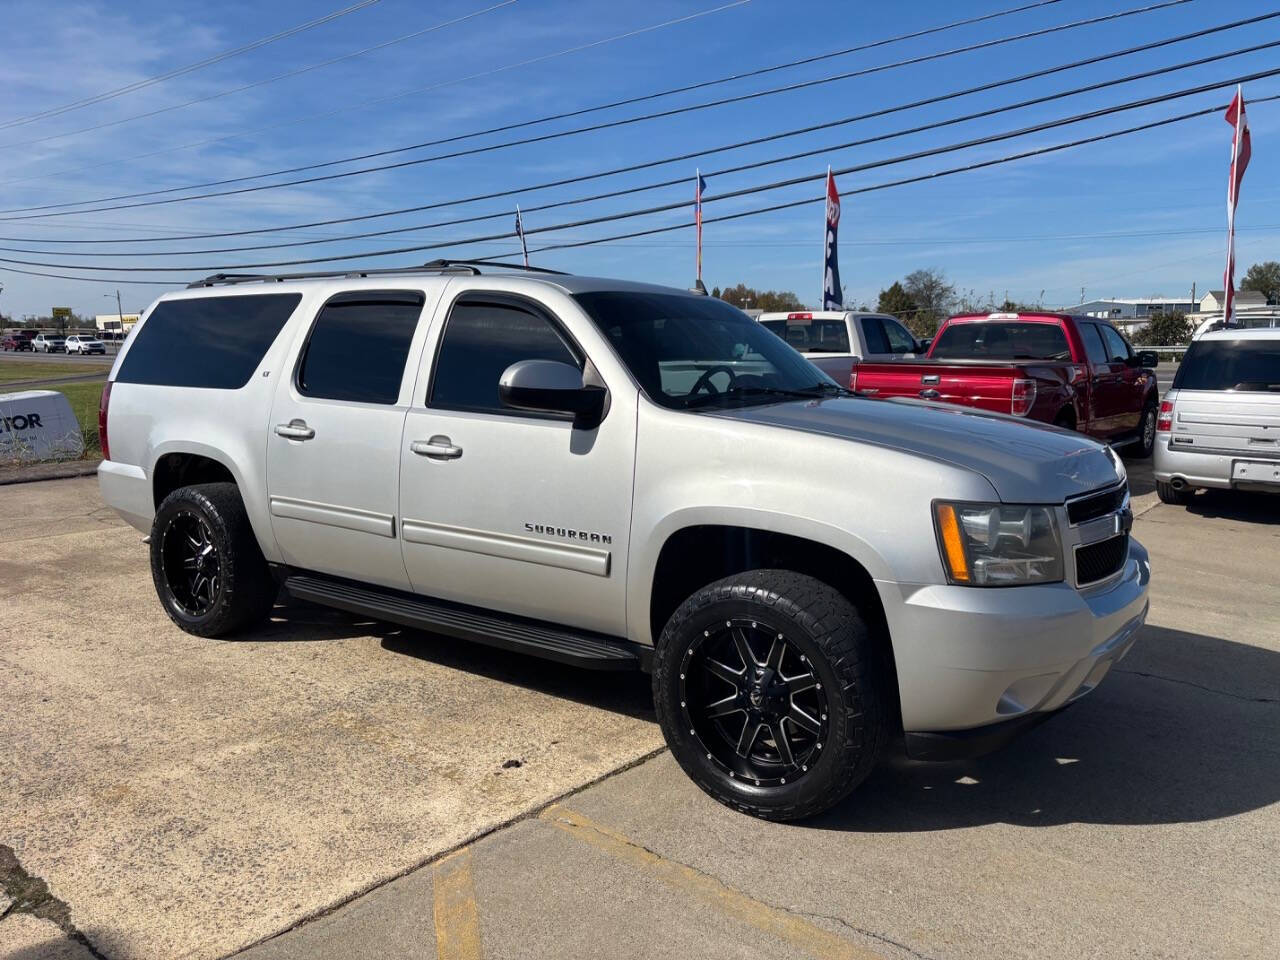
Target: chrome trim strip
{"points": [[507, 546], [330, 515]]}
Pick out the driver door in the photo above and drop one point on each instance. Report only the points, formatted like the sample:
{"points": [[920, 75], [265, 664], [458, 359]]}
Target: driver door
{"points": [[509, 510]]}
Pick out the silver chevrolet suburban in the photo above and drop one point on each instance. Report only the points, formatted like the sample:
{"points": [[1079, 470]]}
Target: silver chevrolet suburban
{"points": [[621, 476]]}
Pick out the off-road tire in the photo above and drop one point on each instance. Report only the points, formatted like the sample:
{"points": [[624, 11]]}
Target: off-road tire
{"points": [[842, 652], [245, 591], [1145, 448], [1178, 498]]}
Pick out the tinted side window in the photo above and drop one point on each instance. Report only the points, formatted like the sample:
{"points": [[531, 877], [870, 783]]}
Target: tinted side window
{"points": [[1117, 349], [358, 347], [212, 342], [873, 330], [1093, 345], [480, 341]]}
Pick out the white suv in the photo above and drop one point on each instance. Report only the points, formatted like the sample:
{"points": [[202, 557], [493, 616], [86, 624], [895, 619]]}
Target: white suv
{"points": [[83, 344], [1219, 423], [620, 476]]}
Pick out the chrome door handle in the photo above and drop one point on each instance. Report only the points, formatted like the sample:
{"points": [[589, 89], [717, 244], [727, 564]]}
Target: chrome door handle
{"points": [[295, 430], [930, 394], [437, 448]]}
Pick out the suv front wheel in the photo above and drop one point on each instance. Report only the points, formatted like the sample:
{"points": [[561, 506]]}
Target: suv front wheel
{"points": [[208, 570], [769, 693]]}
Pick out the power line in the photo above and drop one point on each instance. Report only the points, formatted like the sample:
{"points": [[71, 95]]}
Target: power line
{"points": [[829, 148], [189, 68], [584, 110], [896, 108], [788, 88], [257, 83], [920, 178], [746, 191], [370, 102]]}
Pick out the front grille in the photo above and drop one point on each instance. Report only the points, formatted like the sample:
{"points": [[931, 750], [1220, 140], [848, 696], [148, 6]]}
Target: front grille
{"points": [[1095, 506], [1100, 560]]}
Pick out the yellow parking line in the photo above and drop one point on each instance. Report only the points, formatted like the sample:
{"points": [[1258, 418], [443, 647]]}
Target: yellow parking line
{"points": [[797, 931], [457, 923]]}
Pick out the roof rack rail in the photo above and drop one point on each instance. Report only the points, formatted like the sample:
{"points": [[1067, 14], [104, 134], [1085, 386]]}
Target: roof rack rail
{"points": [[469, 267]]}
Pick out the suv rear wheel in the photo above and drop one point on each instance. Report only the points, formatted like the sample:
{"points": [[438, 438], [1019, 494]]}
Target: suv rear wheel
{"points": [[208, 570], [1168, 494], [769, 695], [1147, 429]]}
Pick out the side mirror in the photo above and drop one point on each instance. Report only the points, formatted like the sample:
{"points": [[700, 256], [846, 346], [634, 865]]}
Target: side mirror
{"points": [[923, 346], [1148, 359], [549, 386]]}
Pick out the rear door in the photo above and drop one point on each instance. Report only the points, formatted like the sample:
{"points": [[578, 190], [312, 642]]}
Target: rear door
{"points": [[1228, 402], [333, 451]]}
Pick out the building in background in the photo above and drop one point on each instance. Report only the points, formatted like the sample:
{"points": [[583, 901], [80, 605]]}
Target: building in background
{"points": [[114, 325], [1132, 313]]}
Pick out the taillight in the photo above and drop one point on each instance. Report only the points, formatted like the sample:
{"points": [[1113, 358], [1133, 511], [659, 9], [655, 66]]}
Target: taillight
{"points": [[1165, 423], [853, 379], [1024, 395], [103, 404]]}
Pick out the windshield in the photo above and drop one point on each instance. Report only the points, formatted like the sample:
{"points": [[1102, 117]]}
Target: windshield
{"points": [[985, 340], [689, 352], [1244, 365]]}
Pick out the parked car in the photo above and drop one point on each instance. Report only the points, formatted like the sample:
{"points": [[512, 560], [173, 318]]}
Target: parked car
{"points": [[49, 343], [833, 339], [1219, 423], [621, 476], [83, 344], [1074, 372], [15, 342]]}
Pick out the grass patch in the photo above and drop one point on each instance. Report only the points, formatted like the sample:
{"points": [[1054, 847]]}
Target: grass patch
{"points": [[20, 370]]}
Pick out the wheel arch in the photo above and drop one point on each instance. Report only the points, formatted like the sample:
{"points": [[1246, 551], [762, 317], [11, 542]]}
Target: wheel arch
{"points": [[696, 554]]}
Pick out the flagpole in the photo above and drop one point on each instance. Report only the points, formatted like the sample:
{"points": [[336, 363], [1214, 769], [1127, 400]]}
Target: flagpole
{"points": [[697, 191], [826, 200]]}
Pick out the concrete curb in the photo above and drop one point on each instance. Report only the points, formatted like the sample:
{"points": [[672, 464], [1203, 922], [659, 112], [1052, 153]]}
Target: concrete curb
{"points": [[48, 471]]}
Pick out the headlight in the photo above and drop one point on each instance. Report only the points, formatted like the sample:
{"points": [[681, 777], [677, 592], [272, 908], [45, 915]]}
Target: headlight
{"points": [[992, 545]]}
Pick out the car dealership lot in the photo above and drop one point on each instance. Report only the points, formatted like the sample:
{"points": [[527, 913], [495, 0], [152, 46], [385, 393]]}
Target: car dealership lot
{"points": [[187, 797]]}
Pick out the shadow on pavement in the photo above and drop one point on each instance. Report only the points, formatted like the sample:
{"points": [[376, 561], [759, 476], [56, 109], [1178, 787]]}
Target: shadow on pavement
{"points": [[1145, 748], [1141, 478], [295, 621], [1236, 505]]}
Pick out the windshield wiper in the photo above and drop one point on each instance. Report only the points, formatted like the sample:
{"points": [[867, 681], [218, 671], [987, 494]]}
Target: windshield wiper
{"points": [[810, 393]]}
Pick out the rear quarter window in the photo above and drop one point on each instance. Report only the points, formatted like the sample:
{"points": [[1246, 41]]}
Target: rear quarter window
{"points": [[212, 342]]}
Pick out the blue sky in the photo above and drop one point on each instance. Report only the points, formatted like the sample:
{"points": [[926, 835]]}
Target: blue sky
{"points": [[1026, 227]]}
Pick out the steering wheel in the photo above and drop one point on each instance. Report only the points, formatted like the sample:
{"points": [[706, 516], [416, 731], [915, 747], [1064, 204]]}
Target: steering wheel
{"points": [[704, 382]]}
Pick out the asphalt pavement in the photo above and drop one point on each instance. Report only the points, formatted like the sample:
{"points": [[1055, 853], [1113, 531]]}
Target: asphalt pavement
{"points": [[330, 787]]}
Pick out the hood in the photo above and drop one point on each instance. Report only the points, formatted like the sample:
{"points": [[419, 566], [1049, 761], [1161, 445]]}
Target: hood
{"points": [[1025, 461]]}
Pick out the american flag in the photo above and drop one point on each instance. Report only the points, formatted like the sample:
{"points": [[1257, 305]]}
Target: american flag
{"points": [[700, 184], [1241, 148], [520, 233]]}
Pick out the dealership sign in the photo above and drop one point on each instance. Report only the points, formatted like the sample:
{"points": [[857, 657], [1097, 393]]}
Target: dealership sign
{"points": [[38, 425]]}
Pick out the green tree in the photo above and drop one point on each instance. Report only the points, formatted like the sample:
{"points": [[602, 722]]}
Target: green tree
{"points": [[897, 301], [715, 292], [749, 298], [1264, 278], [1165, 330], [934, 297]]}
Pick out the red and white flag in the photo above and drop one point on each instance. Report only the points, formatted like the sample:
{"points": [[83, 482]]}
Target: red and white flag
{"points": [[1241, 148]]}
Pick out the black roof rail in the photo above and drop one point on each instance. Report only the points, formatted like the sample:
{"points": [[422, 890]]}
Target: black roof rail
{"points": [[470, 267]]}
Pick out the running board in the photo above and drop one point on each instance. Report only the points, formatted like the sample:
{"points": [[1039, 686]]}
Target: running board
{"points": [[577, 648]]}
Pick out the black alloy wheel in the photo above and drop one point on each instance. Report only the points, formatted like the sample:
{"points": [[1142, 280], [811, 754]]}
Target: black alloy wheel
{"points": [[754, 702], [192, 564]]}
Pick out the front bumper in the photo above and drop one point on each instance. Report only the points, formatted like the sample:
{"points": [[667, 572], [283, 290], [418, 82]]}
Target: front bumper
{"points": [[970, 657], [1201, 469]]}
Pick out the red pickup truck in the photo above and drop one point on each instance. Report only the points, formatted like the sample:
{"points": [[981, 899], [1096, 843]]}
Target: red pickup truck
{"points": [[1074, 372]]}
